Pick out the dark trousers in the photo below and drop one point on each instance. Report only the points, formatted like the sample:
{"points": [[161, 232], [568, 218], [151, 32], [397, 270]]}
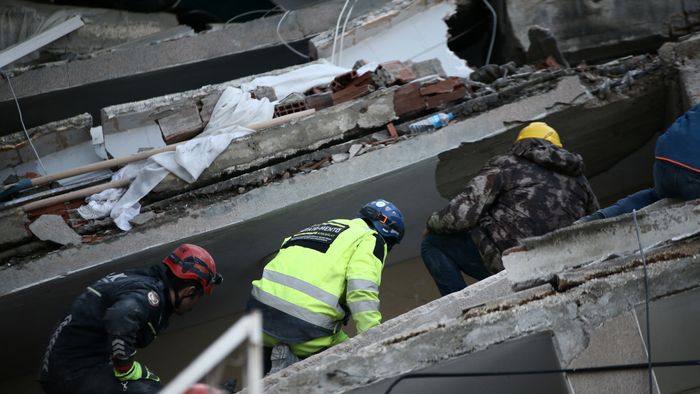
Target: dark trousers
{"points": [[670, 181], [447, 256], [99, 379]]}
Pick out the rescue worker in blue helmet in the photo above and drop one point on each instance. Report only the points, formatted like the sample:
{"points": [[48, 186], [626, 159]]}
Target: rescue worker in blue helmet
{"points": [[93, 349], [321, 276]]}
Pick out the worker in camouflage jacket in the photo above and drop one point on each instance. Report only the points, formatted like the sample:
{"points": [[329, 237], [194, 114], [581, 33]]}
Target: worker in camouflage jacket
{"points": [[536, 187]]}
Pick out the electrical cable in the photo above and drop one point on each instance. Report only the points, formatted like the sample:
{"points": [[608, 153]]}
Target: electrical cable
{"points": [[646, 297], [342, 33], [21, 119], [267, 11], [493, 30], [335, 34], [605, 368], [285, 42]]}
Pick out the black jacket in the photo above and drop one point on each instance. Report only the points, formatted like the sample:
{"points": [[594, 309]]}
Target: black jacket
{"points": [[109, 321]]}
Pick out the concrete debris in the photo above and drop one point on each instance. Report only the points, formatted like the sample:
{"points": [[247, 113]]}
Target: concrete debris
{"points": [[340, 157], [354, 150], [53, 228], [544, 256], [143, 218], [14, 227]]}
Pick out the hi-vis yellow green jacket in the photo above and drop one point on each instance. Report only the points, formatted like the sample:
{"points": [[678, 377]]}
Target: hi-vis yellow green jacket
{"points": [[317, 274]]}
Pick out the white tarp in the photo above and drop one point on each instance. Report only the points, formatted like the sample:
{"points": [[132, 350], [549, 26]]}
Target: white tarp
{"points": [[298, 80], [234, 109]]}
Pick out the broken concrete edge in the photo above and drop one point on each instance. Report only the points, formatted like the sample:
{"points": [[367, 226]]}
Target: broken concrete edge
{"points": [[684, 56], [419, 320], [675, 248], [103, 27], [571, 317], [18, 139], [582, 243], [121, 117], [235, 210], [299, 136], [338, 123]]}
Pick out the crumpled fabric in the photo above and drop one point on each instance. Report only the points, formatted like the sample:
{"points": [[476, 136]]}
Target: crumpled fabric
{"points": [[187, 162], [100, 205]]}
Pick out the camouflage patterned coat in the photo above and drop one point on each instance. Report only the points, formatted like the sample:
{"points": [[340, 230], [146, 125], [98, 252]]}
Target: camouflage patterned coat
{"points": [[533, 189]]}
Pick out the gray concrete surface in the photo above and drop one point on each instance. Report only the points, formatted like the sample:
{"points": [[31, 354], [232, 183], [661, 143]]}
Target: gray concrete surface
{"points": [[572, 316], [579, 244], [53, 228], [604, 29], [616, 342], [686, 56]]}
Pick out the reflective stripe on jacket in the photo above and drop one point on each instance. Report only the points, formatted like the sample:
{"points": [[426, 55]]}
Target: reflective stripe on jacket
{"points": [[316, 272]]}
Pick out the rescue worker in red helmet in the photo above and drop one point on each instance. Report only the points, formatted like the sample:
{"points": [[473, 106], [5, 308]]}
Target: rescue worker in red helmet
{"points": [[92, 350]]}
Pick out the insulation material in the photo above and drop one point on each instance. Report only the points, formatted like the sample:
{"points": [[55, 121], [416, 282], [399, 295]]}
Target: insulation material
{"points": [[187, 162]]}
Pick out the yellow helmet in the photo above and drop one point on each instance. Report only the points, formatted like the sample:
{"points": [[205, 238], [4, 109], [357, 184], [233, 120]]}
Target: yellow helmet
{"points": [[540, 130]]}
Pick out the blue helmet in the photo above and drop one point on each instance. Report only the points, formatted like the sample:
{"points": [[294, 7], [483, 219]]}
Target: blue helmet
{"points": [[385, 218]]}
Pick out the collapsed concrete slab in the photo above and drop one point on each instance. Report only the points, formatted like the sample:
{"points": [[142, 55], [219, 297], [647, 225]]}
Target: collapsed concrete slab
{"points": [[540, 258], [581, 320], [103, 28], [686, 55], [132, 73]]}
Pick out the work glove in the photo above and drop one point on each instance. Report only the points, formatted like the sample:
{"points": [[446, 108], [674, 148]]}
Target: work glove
{"points": [[136, 372], [597, 215]]}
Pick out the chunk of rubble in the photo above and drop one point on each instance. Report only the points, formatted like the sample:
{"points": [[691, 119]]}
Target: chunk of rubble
{"points": [[53, 228]]}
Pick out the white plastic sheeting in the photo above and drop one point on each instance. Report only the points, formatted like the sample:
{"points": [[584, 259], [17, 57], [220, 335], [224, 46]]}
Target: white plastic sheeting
{"points": [[234, 109], [298, 80]]}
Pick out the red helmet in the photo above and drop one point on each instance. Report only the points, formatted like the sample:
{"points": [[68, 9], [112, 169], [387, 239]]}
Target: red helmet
{"points": [[195, 263]]}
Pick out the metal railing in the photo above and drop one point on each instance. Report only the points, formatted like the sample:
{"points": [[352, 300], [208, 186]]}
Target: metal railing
{"points": [[249, 328]]}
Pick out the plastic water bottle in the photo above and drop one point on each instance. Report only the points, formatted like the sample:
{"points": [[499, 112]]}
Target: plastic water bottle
{"points": [[434, 122]]}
